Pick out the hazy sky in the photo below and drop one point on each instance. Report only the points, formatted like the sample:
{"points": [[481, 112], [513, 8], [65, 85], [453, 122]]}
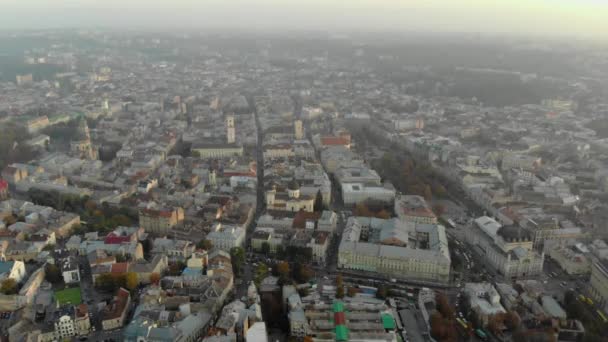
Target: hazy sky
{"points": [[559, 17]]}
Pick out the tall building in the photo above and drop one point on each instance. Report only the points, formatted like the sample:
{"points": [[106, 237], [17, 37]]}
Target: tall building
{"points": [[230, 130], [298, 130], [81, 146]]}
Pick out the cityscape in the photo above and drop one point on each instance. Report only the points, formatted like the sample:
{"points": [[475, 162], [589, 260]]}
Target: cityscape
{"points": [[222, 186]]}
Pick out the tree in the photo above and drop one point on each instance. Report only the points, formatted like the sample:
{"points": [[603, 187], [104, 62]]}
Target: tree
{"points": [[52, 273], [439, 209], [382, 292], [265, 248], [340, 292], [318, 206], [106, 282], [131, 281], [443, 305], [155, 278], [260, 273], [9, 286], [237, 256], [428, 194], [283, 269], [352, 291], [512, 321], [48, 248], [305, 273], [205, 244], [339, 281]]}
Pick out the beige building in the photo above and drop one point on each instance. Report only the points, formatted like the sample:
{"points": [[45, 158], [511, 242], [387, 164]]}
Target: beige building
{"points": [[319, 244], [290, 200], [599, 283], [298, 128], [160, 221], [395, 248], [571, 261], [82, 323], [414, 208], [217, 150], [113, 316], [507, 249]]}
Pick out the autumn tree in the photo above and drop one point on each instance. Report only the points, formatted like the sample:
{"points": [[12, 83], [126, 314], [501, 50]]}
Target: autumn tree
{"points": [[52, 274], [339, 281], [261, 272], [205, 244], [382, 292], [305, 273], [237, 257], [131, 281], [352, 291], [8, 286], [283, 269], [340, 292], [428, 194], [443, 305], [439, 209], [512, 320], [155, 278]]}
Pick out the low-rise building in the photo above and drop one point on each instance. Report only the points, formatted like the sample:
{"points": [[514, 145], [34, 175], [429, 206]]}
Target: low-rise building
{"points": [[226, 236], [160, 221], [289, 199], [319, 244], [70, 270], [414, 209], [484, 300], [113, 316], [354, 193], [599, 283], [12, 270]]}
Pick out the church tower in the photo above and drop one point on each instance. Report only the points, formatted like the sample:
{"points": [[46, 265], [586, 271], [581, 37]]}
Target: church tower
{"points": [[230, 130], [298, 130], [81, 146]]}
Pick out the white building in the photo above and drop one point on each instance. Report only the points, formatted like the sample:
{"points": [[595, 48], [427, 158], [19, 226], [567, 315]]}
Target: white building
{"points": [[64, 324], [70, 271], [484, 300], [354, 193], [226, 237], [257, 333], [509, 249]]}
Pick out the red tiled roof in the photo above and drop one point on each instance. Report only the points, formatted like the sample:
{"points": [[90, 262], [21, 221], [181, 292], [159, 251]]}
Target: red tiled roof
{"points": [[113, 239], [161, 213], [120, 267], [299, 221], [119, 305], [334, 141], [3, 184]]}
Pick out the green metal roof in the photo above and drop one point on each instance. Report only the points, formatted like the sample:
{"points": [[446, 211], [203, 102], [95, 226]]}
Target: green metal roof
{"points": [[341, 333], [338, 307], [388, 321]]}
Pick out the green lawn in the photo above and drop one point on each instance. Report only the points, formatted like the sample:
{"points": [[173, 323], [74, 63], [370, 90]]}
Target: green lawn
{"points": [[68, 296]]}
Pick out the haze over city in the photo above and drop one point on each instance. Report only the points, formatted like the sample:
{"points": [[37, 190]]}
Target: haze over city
{"points": [[583, 18]]}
